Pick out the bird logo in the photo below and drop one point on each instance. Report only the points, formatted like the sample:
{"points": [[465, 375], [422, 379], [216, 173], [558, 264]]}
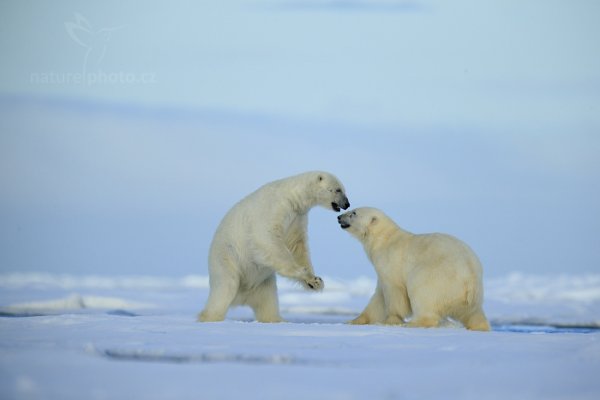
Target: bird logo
{"points": [[94, 41]]}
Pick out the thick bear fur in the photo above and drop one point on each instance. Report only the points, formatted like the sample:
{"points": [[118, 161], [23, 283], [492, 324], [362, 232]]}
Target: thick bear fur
{"points": [[266, 233], [422, 279]]}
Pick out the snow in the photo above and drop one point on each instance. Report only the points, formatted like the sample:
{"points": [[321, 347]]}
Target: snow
{"points": [[122, 337]]}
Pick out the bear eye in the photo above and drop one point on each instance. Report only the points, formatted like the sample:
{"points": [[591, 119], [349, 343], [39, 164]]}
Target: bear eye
{"points": [[338, 190]]}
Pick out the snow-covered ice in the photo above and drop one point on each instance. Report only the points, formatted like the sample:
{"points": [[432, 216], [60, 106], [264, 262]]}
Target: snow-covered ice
{"points": [[103, 337]]}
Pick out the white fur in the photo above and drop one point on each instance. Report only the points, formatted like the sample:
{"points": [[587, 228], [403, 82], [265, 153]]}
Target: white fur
{"points": [[263, 234], [421, 278]]}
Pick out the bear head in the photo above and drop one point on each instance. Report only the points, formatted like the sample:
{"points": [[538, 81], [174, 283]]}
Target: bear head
{"points": [[360, 221], [330, 192]]}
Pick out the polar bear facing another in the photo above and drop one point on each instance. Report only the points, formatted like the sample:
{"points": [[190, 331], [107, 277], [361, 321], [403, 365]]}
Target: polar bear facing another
{"points": [[263, 234], [424, 278]]}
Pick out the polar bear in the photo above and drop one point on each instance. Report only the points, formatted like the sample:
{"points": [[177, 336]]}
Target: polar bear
{"points": [[424, 278], [266, 233]]}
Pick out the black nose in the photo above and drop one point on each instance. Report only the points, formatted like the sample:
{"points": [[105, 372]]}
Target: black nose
{"points": [[339, 217], [346, 204]]}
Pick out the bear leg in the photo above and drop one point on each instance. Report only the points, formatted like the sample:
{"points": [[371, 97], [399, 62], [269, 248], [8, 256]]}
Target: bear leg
{"points": [[264, 301], [374, 312], [222, 293], [476, 322]]}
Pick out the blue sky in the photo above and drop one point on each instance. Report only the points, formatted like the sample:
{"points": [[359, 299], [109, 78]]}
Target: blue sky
{"points": [[126, 132]]}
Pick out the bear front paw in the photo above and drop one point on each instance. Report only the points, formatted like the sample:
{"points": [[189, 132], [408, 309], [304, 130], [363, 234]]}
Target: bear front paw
{"points": [[360, 320], [393, 320], [315, 283]]}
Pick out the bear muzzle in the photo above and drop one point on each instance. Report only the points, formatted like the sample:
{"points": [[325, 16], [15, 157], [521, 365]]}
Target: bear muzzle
{"points": [[342, 221], [344, 204]]}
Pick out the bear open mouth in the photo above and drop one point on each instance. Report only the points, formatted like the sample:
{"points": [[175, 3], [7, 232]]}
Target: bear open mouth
{"points": [[336, 207], [344, 225]]}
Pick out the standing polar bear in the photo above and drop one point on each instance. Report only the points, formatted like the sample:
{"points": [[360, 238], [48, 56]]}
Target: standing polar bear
{"points": [[422, 277], [263, 234]]}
